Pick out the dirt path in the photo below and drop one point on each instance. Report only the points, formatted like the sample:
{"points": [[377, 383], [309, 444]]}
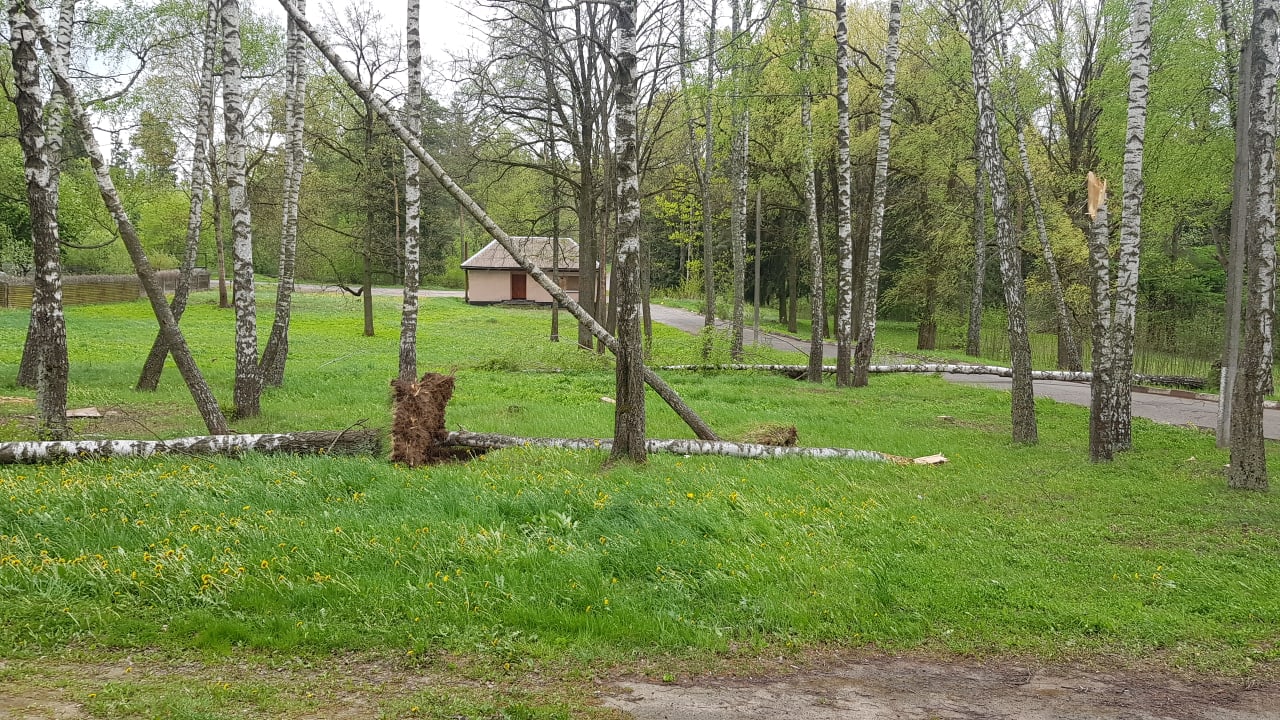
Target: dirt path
{"points": [[884, 688]]}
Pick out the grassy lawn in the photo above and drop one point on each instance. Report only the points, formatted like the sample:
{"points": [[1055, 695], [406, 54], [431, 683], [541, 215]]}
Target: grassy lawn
{"points": [[528, 559]]}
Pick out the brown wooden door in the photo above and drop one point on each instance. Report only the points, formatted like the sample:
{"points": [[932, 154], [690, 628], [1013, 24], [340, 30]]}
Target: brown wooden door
{"points": [[518, 286]]}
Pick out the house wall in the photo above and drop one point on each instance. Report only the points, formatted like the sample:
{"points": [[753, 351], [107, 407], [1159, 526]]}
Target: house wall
{"points": [[492, 286]]}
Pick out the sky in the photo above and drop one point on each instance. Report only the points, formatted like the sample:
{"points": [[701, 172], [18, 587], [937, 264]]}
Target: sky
{"points": [[447, 26]]}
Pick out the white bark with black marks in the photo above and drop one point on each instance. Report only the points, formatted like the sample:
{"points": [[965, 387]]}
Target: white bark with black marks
{"points": [[844, 205], [1248, 468], [749, 451], [204, 400], [340, 442], [973, 342], [248, 380], [152, 369], [48, 330], [1101, 403], [871, 284], [1131, 220], [665, 391], [412, 198], [276, 354], [1023, 408], [738, 172], [817, 275], [629, 410], [708, 163]]}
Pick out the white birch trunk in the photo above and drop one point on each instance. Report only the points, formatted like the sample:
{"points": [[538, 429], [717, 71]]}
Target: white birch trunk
{"points": [[1023, 400], [412, 202], [48, 330], [1131, 220], [750, 451], [196, 384], [844, 205], [343, 442], [665, 391], [248, 381], [817, 274], [275, 355], [738, 172], [149, 379], [1101, 403], [871, 285], [1248, 468], [628, 410], [708, 148]]}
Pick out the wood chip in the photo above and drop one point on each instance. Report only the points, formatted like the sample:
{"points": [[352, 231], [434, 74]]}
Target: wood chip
{"points": [[930, 460]]}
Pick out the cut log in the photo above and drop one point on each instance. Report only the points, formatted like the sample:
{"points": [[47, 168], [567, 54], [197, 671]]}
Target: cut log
{"points": [[341, 442], [490, 441]]}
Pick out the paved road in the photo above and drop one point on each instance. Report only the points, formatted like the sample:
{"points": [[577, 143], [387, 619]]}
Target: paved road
{"points": [[1161, 408], [389, 291]]}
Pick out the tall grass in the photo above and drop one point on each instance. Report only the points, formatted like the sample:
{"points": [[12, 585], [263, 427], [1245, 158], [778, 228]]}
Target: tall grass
{"points": [[532, 553]]}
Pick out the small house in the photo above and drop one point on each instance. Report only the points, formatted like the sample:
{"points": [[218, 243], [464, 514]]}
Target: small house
{"points": [[493, 276]]}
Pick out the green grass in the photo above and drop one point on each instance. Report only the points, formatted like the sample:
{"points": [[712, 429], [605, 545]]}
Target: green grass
{"points": [[532, 556]]}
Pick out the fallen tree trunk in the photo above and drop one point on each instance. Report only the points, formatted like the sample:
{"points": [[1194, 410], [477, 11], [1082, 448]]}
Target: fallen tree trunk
{"points": [[341, 442], [491, 441], [956, 369]]}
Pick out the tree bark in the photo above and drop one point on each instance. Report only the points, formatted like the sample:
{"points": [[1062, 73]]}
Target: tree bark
{"points": [[665, 391], [738, 165], [276, 354], [871, 285], [48, 329], [708, 238], [973, 342], [1235, 251], [199, 389], [1131, 220], [153, 368], [342, 442], [489, 441], [844, 205], [1248, 468], [1023, 400], [629, 410], [248, 381], [817, 291], [1101, 400]]}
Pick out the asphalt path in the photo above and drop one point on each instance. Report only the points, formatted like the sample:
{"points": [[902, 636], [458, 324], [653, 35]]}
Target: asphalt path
{"points": [[1160, 408]]}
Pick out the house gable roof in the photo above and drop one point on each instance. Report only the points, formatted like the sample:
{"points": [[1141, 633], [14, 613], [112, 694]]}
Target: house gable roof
{"points": [[537, 249]]}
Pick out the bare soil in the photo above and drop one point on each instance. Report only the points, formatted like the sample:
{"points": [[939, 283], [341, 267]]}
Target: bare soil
{"points": [[883, 687], [825, 686]]}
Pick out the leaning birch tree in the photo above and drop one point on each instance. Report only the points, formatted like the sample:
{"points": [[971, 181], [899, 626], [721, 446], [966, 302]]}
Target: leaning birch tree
{"points": [[629, 410], [276, 353], [248, 381], [660, 386], [149, 379], [412, 197], [1248, 469], [204, 400], [871, 283], [48, 329], [1023, 398]]}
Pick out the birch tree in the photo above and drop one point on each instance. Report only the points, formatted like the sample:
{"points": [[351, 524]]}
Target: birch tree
{"points": [[413, 123], [844, 205], [871, 284], [204, 400], [276, 353], [1248, 469], [973, 342], [629, 410], [817, 289], [248, 380], [738, 173], [48, 330], [1023, 400], [704, 179], [149, 379]]}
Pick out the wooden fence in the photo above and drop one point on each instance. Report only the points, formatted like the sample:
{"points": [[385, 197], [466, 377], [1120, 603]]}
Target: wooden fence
{"points": [[15, 292]]}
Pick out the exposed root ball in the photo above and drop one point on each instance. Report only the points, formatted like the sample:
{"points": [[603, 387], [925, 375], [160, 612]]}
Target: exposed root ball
{"points": [[418, 423], [775, 434]]}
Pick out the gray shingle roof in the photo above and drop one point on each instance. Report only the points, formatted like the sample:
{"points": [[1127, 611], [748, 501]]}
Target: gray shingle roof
{"points": [[537, 249]]}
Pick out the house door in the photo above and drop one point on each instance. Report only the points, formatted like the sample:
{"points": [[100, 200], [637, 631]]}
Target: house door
{"points": [[518, 286]]}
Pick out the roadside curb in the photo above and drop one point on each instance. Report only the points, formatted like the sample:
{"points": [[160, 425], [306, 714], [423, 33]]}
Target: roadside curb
{"points": [[1192, 395]]}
